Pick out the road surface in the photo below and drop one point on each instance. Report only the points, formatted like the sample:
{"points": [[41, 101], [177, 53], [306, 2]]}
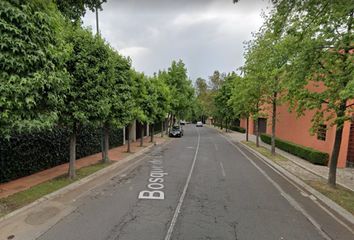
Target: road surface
{"points": [[201, 186]]}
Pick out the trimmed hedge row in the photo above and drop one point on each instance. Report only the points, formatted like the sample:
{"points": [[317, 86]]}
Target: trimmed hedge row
{"points": [[25, 154], [309, 154], [233, 128], [238, 129]]}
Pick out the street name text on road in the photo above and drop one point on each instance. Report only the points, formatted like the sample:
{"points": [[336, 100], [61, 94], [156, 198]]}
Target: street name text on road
{"points": [[156, 179]]}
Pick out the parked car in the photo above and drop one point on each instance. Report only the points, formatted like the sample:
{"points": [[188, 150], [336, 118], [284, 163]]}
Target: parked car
{"points": [[176, 131], [182, 122], [199, 124]]}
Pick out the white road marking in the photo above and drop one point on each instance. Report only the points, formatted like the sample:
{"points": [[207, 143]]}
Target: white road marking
{"points": [[222, 169], [291, 200], [181, 199], [313, 198]]}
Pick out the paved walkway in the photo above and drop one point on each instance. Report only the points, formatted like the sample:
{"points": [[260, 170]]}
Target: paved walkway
{"points": [[115, 154], [345, 176]]}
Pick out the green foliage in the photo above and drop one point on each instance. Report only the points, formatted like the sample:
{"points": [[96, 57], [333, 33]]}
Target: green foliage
{"points": [[88, 66], [75, 9], [321, 70], [27, 153], [233, 128], [237, 129], [224, 110], [309, 154], [32, 79], [164, 97], [117, 92], [181, 88], [204, 105]]}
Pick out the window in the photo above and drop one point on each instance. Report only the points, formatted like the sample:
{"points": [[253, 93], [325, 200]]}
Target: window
{"points": [[321, 132]]}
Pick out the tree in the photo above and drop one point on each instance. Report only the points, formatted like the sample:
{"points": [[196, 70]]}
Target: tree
{"points": [[204, 101], [75, 9], [224, 108], [320, 73], [267, 58], [216, 80], [181, 89], [164, 99], [85, 101], [32, 79], [117, 100]]}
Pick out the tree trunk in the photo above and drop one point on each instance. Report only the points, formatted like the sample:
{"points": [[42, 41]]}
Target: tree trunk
{"points": [[106, 144], [247, 128], [166, 125], [332, 175], [129, 137], [274, 119], [152, 132], [221, 127], [257, 132], [72, 171], [162, 129], [102, 143], [142, 135]]}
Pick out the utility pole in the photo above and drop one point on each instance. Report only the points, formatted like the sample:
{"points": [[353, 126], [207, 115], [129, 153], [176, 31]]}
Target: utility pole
{"points": [[97, 26]]}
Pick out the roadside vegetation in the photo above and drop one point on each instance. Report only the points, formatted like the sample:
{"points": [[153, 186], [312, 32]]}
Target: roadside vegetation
{"points": [[56, 74], [342, 196], [20, 199], [302, 56]]}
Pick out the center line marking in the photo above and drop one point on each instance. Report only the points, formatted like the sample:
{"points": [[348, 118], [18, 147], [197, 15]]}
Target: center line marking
{"points": [[181, 199], [222, 170]]}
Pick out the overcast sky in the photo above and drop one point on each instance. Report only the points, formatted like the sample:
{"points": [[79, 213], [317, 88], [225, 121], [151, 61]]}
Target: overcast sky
{"points": [[207, 35]]}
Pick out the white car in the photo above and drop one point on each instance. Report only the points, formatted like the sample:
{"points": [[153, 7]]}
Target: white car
{"points": [[199, 124]]}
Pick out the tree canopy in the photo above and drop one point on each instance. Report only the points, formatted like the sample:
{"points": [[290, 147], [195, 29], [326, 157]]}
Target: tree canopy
{"points": [[33, 80]]}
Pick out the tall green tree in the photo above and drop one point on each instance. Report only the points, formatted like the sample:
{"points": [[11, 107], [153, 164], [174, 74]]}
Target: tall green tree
{"points": [[117, 101], [320, 73], [85, 101], [181, 89], [33, 80], [164, 99], [225, 111]]}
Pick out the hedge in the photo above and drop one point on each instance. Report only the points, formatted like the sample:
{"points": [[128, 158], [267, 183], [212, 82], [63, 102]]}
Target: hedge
{"points": [[238, 129], [309, 154], [233, 128], [25, 154]]}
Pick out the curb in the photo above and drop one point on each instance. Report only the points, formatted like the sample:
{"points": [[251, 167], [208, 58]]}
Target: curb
{"points": [[78, 183], [331, 204], [315, 173], [298, 164]]}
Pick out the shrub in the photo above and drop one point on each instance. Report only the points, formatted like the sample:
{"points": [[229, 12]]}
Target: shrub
{"points": [[25, 154], [309, 154], [238, 129], [233, 128]]}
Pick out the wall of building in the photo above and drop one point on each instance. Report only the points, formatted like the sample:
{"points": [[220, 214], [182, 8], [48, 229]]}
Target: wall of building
{"points": [[297, 130]]}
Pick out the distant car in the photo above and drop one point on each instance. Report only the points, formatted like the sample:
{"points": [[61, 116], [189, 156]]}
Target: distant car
{"points": [[176, 131], [199, 124], [182, 122]]}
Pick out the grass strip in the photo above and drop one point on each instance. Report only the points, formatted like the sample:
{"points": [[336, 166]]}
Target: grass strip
{"points": [[265, 152], [340, 195], [20, 199]]}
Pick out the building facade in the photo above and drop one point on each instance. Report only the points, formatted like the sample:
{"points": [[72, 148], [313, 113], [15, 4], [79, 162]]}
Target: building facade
{"points": [[297, 130]]}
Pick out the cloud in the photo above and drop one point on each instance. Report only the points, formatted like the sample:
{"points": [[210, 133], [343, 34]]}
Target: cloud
{"points": [[134, 52], [207, 35]]}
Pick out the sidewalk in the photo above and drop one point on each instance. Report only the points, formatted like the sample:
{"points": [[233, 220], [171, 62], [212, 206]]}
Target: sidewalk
{"points": [[115, 154], [345, 176]]}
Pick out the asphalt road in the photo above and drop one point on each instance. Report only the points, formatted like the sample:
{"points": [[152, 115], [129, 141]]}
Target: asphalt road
{"points": [[206, 188]]}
